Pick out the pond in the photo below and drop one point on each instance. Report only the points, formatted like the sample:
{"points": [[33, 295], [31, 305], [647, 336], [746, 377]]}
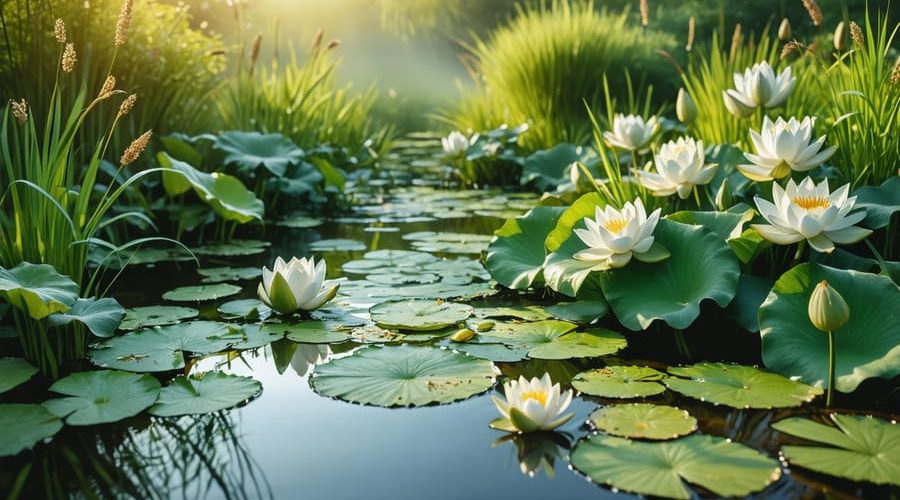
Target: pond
{"points": [[290, 441]]}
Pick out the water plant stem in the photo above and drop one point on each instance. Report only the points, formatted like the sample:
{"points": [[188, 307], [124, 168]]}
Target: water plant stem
{"points": [[830, 368]]}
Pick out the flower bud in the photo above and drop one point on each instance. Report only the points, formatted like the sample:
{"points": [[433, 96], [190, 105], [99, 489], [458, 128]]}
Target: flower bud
{"points": [[827, 309], [736, 107], [684, 107], [840, 36], [463, 335], [484, 326], [784, 30]]}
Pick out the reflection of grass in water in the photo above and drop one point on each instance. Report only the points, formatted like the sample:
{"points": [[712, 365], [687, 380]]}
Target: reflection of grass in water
{"points": [[191, 457]]}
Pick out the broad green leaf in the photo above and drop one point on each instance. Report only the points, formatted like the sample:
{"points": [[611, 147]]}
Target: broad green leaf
{"points": [[516, 255], [203, 393], [457, 243], [547, 169], [585, 206], [739, 386], [249, 309], [37, 289], [526, 313], [717, 464], [225, 194], [233, 248], [562, 271], [644, 421], [220, 274], [101, 316], [419, 315], [581, 311], [143, 317], [248, 151], [403, 375], [498, 353], [620, 382], [729, 226], [879, 202], [751, 293], [14, 372], [587, 344], [389, 259], [311, 332], [200, 293], [867, 346], [337, 244], [23, 426], [102, 396], [528, 334]]}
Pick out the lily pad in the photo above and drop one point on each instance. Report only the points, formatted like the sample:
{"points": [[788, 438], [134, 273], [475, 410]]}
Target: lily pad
{"points": [[403, 376], [526, 313], [143, 317], [37, 289], [644, 421], [250, 150], [590, 343], [419, 315], [527, 334], [102, 396], [460, 243], [249, 309], [515, 256], [23, 426], [498, 353], [620, 382], [312, 332], [859, 449], [580, 311], [337, 244], [200, 293], [299, 221], [739, 386], [220, 274], [234, 248], [867, 346], [717, 464], [701, 267], [101, 316], [394, 260], [14, 372], [204, 393]]}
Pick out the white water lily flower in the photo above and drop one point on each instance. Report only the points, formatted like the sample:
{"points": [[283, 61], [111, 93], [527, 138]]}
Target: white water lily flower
{"points": [[631, 132], [758, 86], [298, 285], [614, 236], [455, 143], [810, 212], [532, 405], [680, 165], [782, 146]]}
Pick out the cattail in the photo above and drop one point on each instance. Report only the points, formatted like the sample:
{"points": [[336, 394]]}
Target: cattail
{"points": [[19, 110], [895, 74], [840, 36], [109, 85], [124, 22], [690, 38], [856, 34], [134, 150], [645, 13], [784, 30], [59, 31], [735, 42], [815, 13], [254, 53], [126, 105], [69, 58], [317, 40], [333, 43]]}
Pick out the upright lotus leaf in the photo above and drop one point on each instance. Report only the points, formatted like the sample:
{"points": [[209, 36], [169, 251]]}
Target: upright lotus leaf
{"points": [[102, 396], [225, 194], [727, 225], [860, 448], [717, 464], [644, 421], [298, 180], [37, 289], [562, 271], [248, 151], [143, 317], [23, 426], [620, 382], [203, 393], [14, 372], [419, 315], [516, 254], [867, 346], [739, 386], [546, 169], [584, 206], [101, 316], [701, 267], [751, 293], [403, 375], [879, 202], [200, 293]]}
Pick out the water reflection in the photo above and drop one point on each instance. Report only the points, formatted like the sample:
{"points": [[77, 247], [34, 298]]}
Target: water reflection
{"points": [[538, 451]]}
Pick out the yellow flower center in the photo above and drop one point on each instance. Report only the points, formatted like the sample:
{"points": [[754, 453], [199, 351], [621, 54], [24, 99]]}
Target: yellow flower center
{"points": [[809, 203], [539, 396], [615, 225]]}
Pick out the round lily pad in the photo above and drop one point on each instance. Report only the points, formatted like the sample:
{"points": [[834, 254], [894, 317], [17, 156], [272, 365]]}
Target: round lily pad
{"points": [[299, 221], [338, 244], [587, 344], [200, 293], [312, 332], [739, 386], [14, 372], [143, 317], [403, 375], [403, 278], [204, 393], [23, 426], [461, 243], [620, 382], [234, 248], [645, 421], [373, 334], [380, 260], [419, 315], [102, 396], [220, 274], [250, 309], [717, 464], [498, 353], [526, 313]]}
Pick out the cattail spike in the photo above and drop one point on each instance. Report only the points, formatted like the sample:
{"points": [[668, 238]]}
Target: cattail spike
{"points": [[317, 40], [109, 85], [19, 110], [123, 23], [59, 31], [134, 150], [126, 105], [69, 58], [856, 34], [815, 13], [645, 13]]}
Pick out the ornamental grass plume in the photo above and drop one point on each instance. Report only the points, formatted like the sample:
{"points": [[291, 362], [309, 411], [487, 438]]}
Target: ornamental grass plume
{"points": [[59, 31], [856, 34], [69, 58], [109, 86], [126, 105], [19, 110], [895, 74], [134, 150], [815, 13], [123, 23]]}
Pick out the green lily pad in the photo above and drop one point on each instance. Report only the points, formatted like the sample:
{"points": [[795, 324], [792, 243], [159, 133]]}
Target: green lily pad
{"points": [[143, 317], [859, 449], [249, 309], [526, 313], [458, 243], [373, 334], [226, 195], [102, 396], [880, 202], [234, 248], [498, 353], [101, 316], [204, 393], [23, 426], [403, 375], [528, 334], [250, 150], [37, 289], [701, 267], [620, 382], [299, 221], [419, 315], [392, 279], [644, 421], [337, 244], [251, 336], [580, 311], [312, 332], [717, 464], [394, 260], [219, 274], [739, 386], [590, 343], [515, 256], [867, 346], [15, 372], [200, 293]]}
